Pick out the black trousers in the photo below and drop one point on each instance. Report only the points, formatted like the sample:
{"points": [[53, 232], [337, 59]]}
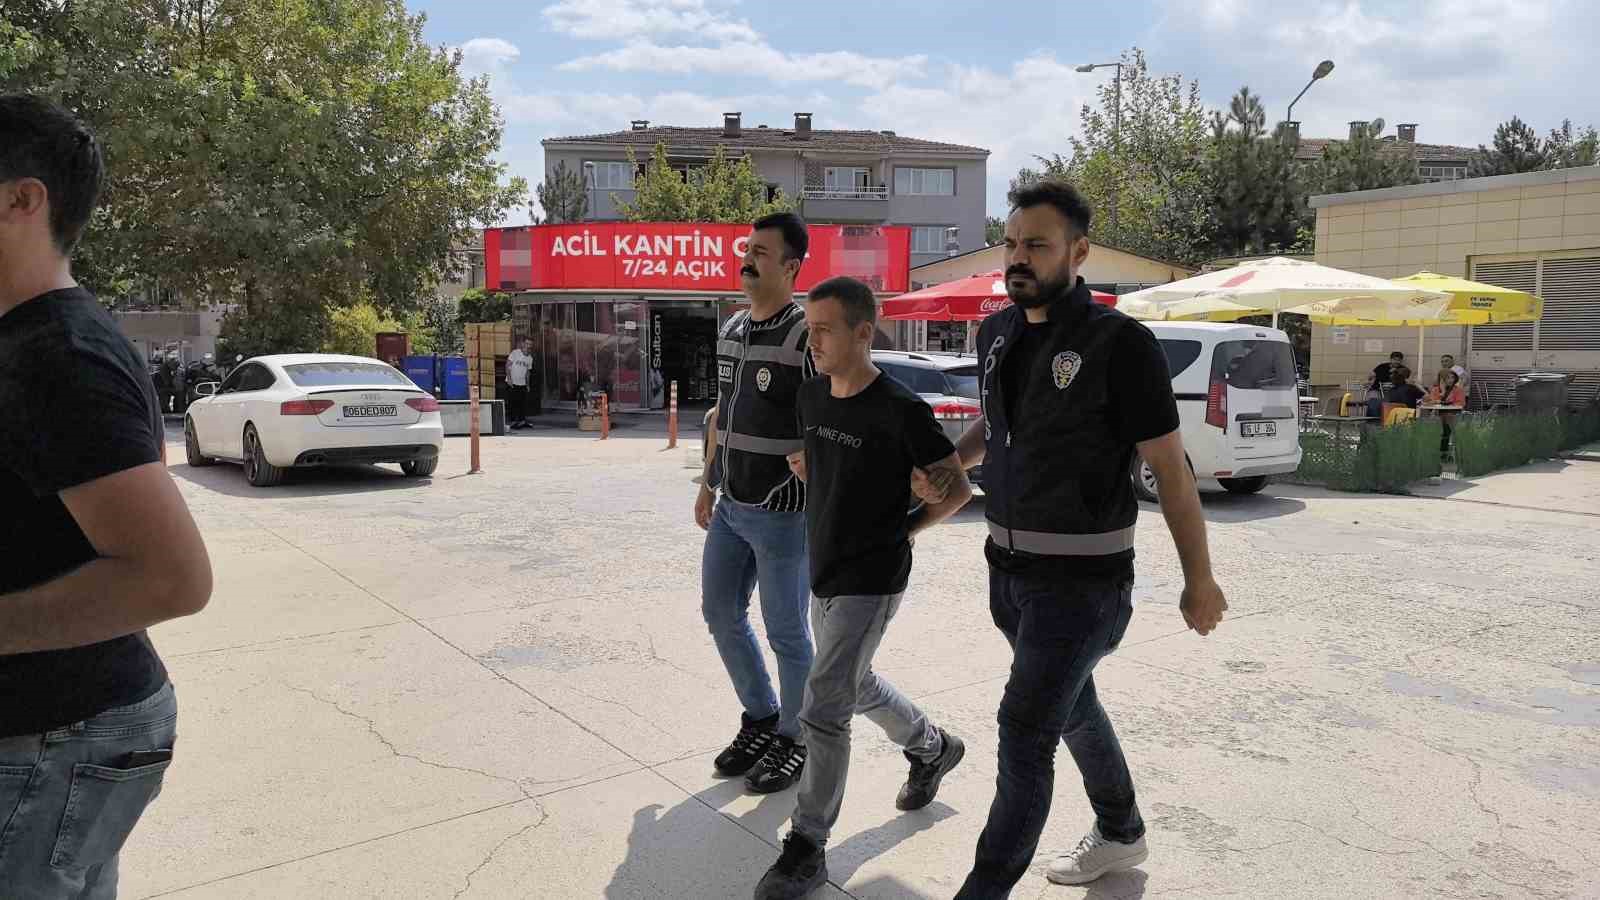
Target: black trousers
{"points": [[516, 403]]}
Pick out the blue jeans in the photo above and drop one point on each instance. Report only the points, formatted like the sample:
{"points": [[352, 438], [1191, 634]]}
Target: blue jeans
{"points": [[746, 546], [1058, 631], [69, 798]]}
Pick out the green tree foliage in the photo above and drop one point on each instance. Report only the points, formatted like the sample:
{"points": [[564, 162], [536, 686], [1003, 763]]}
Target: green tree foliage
{"points": [[288, 157], [1516, 149], [1566, 148], [354, 329], [438, 329], [478, 305], [994, 231], [563, 196], [1253, 183], [1363, 162], [722, 190]]}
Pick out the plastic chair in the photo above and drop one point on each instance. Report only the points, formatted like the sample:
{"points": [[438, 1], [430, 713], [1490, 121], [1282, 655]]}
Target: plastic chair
{"points": [[1344, 403], [1398, 414]]}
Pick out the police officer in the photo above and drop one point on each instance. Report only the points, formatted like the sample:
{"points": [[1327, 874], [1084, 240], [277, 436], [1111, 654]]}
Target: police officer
{"points": [[756, 531], [1071, 390]]}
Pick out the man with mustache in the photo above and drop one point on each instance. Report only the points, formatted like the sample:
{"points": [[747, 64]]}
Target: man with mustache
{"points": [[1071, 390], [756, 530]]}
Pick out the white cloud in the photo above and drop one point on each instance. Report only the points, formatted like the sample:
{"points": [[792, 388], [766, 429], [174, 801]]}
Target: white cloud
{"points": [[481, 55], [621, 20], [755, 58]]}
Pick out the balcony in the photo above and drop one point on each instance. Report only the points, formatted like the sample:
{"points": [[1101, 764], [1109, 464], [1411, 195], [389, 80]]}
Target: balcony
{"points": [[865, 203]]}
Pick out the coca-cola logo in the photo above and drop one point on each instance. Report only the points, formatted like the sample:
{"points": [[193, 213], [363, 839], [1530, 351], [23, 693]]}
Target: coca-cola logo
{"points": [[994, 304]]}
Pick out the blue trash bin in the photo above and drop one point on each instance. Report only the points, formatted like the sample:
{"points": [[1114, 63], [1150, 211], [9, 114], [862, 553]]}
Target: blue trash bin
{"points": [[455, 377], [421, 371]]}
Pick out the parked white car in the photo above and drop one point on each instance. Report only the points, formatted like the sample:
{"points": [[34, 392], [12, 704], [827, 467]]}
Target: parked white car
{"points": [[273, 413], [1238, 399]]}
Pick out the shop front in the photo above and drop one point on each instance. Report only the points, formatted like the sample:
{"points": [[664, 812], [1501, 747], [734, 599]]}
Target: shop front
{"points": [[630, 308]]}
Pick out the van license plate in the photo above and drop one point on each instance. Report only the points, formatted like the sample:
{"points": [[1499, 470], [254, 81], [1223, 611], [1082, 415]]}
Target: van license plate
{"points": [[369, 412], [1260, 429]]}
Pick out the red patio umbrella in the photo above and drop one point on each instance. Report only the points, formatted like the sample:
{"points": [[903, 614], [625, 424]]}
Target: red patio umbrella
{"points": [[965, 300]]}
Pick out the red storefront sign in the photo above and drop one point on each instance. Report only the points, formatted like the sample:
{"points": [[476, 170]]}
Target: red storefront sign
{"points": [[680, 256]]}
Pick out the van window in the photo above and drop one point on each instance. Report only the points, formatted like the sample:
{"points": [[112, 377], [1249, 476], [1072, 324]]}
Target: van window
{"points": [[1254, 365], [1180, 355]]}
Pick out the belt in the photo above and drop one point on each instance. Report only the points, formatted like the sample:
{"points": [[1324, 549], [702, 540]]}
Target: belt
{"points": [[1049, 543]]}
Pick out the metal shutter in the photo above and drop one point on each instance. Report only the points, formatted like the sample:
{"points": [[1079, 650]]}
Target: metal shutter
{"points": [[1571, 319], [1522, 275]]}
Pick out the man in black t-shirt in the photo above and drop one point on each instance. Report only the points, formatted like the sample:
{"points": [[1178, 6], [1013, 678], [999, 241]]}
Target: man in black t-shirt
{"points": [[87, 716], [865, 434], [1404, 392]]}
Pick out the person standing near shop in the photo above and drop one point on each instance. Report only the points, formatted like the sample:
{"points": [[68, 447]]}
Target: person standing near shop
{"points": [[756, 529], [518, 366], [865, 434], [87, 715], [1071, 390]]}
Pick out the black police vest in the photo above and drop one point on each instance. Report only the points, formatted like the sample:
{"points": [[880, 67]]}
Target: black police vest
{"points": [[759, 373], [1056, 480]]}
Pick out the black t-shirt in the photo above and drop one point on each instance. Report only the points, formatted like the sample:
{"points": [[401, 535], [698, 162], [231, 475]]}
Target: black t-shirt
{"points": [[1142, 408], [859, 454], [1383, 373], [1408, 394], [79, 406]]}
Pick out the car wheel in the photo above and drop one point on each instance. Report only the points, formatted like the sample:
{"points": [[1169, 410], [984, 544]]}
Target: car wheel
{"points": [[191, 446], [1244, 485], [1144, 480], [420, 468], [257, 470]]}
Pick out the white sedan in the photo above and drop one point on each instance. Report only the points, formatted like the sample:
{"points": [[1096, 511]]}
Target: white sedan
{"points": [[273, 413]]}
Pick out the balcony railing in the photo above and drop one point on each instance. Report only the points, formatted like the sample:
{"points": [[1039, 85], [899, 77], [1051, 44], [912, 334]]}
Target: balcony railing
{"points": [[876, 192]]}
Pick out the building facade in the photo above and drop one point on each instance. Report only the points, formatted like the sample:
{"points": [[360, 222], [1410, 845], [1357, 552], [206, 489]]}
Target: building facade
{"points": [[939, 190], [1435, 162], [1537, 232]]}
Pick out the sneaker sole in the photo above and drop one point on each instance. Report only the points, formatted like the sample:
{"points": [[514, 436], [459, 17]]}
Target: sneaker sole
{"points": [[1121, 865], [777, 788], [960, 754]]}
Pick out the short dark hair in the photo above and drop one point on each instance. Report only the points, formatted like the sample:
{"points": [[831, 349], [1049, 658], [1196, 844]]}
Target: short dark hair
{"points": [[39, 139], [856, 298], [1397, 355], [1057, 193], [796, 237], [1402, 373]]}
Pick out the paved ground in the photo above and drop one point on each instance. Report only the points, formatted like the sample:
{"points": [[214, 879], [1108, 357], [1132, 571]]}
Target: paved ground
{"points": [[499, 686]]}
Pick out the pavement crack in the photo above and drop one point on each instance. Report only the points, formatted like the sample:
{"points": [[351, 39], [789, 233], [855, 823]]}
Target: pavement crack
{"points": [[650, 642], [623, 706], [1355, 813], [1335, 838], [544, 816]]}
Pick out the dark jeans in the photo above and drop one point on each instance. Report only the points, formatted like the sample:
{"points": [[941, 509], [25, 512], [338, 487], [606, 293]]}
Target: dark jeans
{"points": [[516, 403], [1058, 631]]}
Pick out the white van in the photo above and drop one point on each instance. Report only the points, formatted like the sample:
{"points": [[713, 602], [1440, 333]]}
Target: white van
{"points": [[1238, 401]]}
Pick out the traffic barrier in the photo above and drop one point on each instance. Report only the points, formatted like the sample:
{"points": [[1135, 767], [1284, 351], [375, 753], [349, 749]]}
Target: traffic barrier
{"points": [[672, 419], [605, 417]]}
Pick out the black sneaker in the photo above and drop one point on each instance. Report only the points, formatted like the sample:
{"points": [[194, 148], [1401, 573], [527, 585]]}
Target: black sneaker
{"points": [[922, 785], [755, 736], [801, 869], [779, 769]]}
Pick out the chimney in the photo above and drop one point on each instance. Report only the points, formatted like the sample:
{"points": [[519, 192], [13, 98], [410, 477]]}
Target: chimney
{"points": [[1357, 129], [1407, 131], [802, 126], [641, 124], [730, 125]]}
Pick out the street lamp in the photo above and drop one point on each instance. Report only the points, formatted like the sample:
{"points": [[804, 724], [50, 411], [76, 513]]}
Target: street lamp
{"points": [[1321, 72], [1116, 136], [588, 187]]}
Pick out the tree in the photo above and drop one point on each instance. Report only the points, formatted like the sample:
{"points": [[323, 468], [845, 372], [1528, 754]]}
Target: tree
{"points": [[1565, 149], [285, 157], [563, 195], [1362, 163], [1255, 193], [1153, 171], [722, 190], [478, 305], [353, 330], [1516, 149], [435, 329], [994, 231]]}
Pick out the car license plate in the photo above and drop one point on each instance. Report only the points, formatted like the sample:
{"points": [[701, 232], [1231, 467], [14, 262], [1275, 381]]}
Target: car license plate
{"points": [[1260, 429], [369, 412]]}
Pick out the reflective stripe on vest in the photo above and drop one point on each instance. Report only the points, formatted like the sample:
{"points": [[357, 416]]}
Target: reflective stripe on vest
{"points": [[761, 353], [1045, 543], [749, 443]]}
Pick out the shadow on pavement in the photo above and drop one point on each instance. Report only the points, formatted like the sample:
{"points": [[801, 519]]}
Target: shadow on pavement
{"points": [[1128, 885], [226, 478], [1236, 508]]}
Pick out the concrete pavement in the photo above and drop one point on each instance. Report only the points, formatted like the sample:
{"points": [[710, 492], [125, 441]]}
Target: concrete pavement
{"points": [[500, 686]]}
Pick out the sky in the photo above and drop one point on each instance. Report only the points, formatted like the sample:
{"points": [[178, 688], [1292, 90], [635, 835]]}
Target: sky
{"points": [[1002, 77]]}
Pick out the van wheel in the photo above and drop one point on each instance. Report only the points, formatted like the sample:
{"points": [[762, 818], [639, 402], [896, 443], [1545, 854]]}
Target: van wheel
{"points": [[1144, 480], [1244, 485]]}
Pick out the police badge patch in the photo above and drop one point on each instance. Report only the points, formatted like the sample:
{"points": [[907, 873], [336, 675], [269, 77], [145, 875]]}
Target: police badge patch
{"points": [[764, 378], [1065, 368]]}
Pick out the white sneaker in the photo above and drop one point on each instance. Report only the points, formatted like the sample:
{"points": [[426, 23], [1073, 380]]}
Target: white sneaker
{"points": [[1096, 856]]}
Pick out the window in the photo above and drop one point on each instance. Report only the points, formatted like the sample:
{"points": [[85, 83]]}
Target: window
{"points": [[341, 374], [1180, 355], [917, 380], [258, 378], [613, 176], [847, 179], [925, 182], [928, 239], [1442, 171], [1254, 365], [963, 382]]}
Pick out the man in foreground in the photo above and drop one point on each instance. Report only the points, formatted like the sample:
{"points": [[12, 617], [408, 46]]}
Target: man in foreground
{"points": [[756, 531], [865, 433], [96, 540], [1071, 391]]}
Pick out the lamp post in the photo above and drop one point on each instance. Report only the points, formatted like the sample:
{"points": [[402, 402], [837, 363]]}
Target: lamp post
{"points": [[588, 188], [1321, 72], [1116, 136]]}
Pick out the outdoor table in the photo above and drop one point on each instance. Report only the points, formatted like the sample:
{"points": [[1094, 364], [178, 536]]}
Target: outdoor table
{"points": [[1438, 408]]}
